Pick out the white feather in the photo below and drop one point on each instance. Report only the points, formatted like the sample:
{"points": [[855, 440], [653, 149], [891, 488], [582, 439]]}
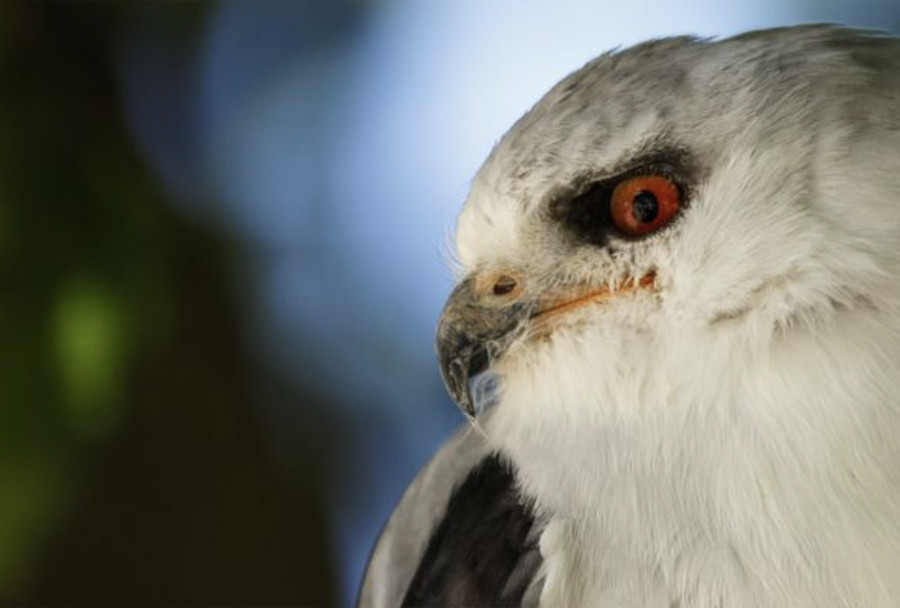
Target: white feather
{"points": [[731, 438]]}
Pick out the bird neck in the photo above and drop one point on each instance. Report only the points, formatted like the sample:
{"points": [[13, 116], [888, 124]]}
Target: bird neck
{"points": [[739, 476]]}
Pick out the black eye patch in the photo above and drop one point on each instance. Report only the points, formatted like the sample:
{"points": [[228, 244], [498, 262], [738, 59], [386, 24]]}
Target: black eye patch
{"points": [[586, 215]]}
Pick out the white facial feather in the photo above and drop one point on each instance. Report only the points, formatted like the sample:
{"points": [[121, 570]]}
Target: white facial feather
{"points": [[732, 437]]}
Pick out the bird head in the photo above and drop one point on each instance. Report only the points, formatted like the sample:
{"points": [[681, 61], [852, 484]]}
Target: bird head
{"points": [[676, 210]]}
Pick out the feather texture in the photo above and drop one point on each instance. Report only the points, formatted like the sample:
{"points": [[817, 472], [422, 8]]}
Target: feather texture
{"points": [[728, 437]]}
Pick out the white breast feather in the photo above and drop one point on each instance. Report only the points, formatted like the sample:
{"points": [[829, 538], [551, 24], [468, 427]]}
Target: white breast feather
{"points": [[731, 439]]}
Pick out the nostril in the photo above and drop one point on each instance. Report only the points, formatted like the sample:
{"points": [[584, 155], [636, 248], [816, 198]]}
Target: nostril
{"points": [[504, 285]]}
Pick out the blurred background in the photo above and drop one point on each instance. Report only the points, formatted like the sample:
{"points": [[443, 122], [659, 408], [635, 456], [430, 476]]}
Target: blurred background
{"points": [[223, 240]]}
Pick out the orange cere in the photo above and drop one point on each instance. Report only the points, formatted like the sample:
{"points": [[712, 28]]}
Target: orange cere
{"points": [[574, 300]]}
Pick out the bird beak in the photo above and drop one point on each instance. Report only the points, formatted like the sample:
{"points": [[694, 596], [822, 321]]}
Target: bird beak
{"points": [[470, 335], [475, 331]]}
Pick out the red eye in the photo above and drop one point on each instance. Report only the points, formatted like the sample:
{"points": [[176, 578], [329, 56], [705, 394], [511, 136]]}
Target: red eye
{"points": [[643, 204]]}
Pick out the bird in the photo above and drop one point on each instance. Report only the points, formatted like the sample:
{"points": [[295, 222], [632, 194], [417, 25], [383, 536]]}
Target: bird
{"points": [[675, 337]]}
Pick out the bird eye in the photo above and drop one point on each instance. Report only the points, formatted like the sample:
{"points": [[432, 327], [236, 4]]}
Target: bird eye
{"points": [[644, 203]]}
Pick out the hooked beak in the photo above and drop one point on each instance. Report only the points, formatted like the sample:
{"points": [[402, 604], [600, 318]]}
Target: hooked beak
{"points": [[470, 334], [474, 331]]}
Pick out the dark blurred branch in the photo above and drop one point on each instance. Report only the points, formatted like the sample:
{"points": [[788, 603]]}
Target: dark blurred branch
{"points": [[132, 466]]}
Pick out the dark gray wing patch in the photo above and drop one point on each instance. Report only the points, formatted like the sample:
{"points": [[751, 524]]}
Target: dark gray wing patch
{"points": [[484, 552]]}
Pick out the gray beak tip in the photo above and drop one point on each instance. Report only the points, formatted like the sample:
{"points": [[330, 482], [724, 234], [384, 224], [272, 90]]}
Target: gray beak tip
{"points": [[469, 336], [456, 378]]}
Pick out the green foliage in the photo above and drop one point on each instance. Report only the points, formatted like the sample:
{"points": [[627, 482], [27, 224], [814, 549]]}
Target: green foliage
{"points": [[83, 276], [132, 467], [91, 343]]}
